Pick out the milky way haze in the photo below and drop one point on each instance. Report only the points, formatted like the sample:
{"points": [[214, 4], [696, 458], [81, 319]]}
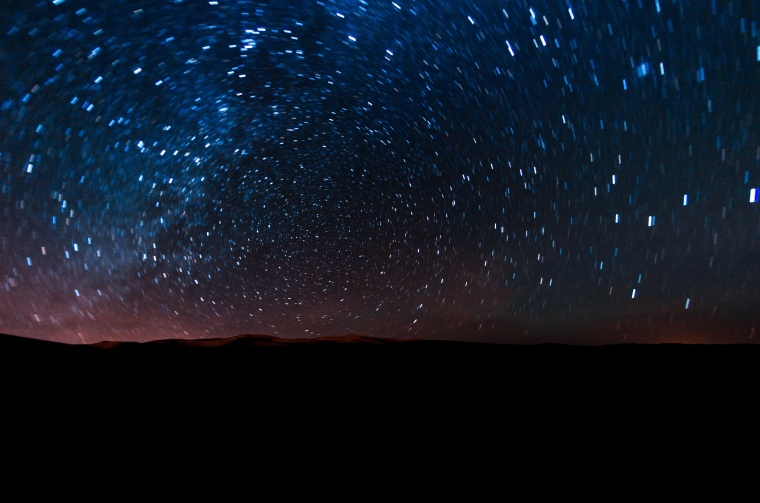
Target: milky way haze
{"points": [[499, 171]]}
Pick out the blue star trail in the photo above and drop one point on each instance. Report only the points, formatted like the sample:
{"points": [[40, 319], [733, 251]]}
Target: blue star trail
{"points": [[497, 171]]}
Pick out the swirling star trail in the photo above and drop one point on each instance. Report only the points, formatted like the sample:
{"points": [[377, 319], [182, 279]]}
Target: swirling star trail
{"points": [[498, 171]]}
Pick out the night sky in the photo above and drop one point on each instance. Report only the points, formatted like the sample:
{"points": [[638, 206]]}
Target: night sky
{"points": [[497, 171]]}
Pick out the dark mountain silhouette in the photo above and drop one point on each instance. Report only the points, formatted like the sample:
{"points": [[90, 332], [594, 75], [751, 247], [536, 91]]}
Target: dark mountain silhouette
{"points": [[340, 360], [258, 340], [169, 397]]}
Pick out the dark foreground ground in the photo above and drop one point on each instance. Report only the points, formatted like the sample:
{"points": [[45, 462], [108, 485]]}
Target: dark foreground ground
{"points": [[256, 367], [120, 417], [258, 381]]}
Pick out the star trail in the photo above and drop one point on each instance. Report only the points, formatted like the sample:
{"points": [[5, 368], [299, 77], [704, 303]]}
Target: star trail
{"points": [[495, 171]]}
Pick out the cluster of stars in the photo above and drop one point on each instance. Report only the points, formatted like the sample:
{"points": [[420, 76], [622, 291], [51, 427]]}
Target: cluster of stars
{"points": [[491, 171]]}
